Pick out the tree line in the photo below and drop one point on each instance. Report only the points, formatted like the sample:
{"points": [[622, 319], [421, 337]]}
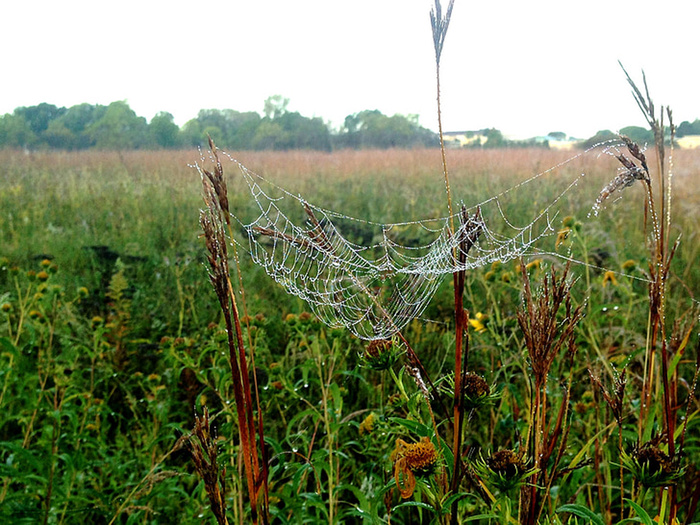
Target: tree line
{"points": [[117, 127]]}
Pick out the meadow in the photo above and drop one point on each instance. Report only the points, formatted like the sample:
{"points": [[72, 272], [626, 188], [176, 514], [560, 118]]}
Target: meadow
{"points": [[113, 343]]}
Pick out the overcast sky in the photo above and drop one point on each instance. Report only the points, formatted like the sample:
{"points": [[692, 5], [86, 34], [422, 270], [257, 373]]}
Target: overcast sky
{"points": [[524, 67]]}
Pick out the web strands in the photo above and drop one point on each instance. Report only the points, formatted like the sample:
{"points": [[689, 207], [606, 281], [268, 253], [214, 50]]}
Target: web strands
{"points": [[373, 290]]}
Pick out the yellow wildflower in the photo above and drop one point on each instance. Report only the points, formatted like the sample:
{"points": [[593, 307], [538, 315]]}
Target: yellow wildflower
{"points": [[367, 424], [533, 264], [478, 322], [562, 235], [609, 277], [629, 265]]}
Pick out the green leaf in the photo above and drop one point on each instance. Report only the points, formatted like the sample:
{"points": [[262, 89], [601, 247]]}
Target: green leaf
{"points": [[645, 518], [454, 497], [6, 345], [582, 512], [478, 517], [413, 426], [419, 504], [577, 459]]}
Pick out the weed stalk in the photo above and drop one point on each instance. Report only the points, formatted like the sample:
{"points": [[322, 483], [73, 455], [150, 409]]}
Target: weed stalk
{"points": [[212, 222]]}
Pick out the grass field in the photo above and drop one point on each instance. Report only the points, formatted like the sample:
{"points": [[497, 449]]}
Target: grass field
{"points": [[112, 341]]}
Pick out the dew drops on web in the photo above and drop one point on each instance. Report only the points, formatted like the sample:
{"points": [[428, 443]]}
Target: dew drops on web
{"points": [[373, 289]]}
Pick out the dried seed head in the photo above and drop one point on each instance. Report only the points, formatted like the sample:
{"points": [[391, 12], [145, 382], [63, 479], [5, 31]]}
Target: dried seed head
{"points": [[475, 386], [506, 463], [411, 459], [419, 458]]}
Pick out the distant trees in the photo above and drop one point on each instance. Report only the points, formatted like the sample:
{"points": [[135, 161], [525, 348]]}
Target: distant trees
{"points": [[494, 139], [372, 129], [119, 129], [688, 128], [638, 134], [228, 128], [557, 135], [117, 126], [15, 132], [73, 129], [600, 136], [163, 131]]}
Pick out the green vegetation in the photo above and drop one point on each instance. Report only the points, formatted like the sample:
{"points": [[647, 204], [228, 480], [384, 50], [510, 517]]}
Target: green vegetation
{"points": [[112, 342], [117, 127]]}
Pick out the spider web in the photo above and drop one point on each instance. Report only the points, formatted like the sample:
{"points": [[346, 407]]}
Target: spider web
{"points": [[373, 289], [373, 278]]}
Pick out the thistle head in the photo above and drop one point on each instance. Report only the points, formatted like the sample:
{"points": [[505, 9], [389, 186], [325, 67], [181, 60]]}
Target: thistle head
{"points": [[381, 354], [651, 466], [504, 470]]}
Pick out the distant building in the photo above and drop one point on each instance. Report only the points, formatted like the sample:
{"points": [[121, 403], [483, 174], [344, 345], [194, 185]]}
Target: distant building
{"points": [[464, 139], [561, 143], [689, 142], [476, 139]]}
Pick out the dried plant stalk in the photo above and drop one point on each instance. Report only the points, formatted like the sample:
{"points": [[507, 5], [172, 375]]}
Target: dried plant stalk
{"points": [[204, 454], [212, 221]]}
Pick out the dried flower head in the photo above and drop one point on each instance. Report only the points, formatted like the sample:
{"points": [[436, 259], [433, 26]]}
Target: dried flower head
{"points": [[411, 459], [204, 450], [475, 386], [475, 389], [628, 173]]}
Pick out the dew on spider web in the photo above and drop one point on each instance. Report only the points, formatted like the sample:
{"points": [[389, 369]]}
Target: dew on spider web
{"points": [[373, 278]]}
